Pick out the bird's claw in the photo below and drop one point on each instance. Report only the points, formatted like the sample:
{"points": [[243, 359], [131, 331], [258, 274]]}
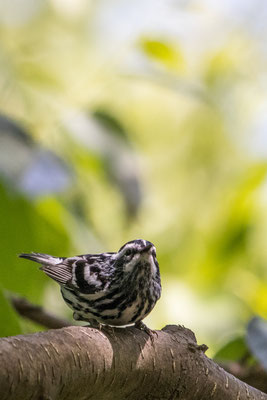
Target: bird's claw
{"points": [[140, 325], [95, 324], [108, 328]]}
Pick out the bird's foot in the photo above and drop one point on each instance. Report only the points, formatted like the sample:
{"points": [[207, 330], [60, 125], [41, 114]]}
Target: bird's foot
{"points": [[95, 324], [108, 328], [140, 325]]}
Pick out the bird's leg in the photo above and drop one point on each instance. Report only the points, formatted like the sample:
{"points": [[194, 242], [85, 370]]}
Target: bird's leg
{"points": [[93, 322], [140, 325], [77, 317], [109, 329]]}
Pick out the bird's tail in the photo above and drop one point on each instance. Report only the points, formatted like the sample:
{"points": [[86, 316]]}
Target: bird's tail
{"points": [[52, 266], [44, 259]]}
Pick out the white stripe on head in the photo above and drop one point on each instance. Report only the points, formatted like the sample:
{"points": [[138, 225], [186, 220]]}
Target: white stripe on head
{"points": [[130, 265]]}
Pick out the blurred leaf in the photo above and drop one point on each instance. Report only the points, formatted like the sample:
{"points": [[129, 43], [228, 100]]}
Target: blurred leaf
{"points": [[103, 135], [120, 161], [238, 226], [233, 350], [166, 53], [9, 319], [24, 229], [34, 170], [39, 75], [7, 125], [257, 339], [111, 123], [231, 229], [222, 65], [46, 174]]}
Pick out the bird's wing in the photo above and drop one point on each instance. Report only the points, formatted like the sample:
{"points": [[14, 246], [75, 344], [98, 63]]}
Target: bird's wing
{"points": [[89, 272], [86, 273]]}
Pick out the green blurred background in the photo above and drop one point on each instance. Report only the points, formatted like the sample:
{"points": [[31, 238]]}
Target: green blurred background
{"points": [[144, 119]]}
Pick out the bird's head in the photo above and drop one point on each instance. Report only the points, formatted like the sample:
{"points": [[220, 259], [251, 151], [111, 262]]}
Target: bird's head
{"points": [[137, 254]]}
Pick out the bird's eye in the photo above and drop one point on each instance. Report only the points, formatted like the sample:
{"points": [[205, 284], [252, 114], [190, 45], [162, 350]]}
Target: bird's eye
{"points": [[128, 252]]}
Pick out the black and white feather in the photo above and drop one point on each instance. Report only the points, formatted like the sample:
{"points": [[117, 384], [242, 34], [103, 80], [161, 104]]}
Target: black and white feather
{"points": [[115, 289]]}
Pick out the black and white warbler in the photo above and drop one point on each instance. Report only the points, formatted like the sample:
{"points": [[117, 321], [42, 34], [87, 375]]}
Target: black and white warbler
{"points": [[116, 289]]}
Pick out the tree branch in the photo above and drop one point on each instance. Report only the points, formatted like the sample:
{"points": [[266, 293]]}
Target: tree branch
{"points": [[37, 314], [254, 374], [84, 363]]}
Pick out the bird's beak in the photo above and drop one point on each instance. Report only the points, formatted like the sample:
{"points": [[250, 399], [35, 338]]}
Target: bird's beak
{"points": [[146, 248]]}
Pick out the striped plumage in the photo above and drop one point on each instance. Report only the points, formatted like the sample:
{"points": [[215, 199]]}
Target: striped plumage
{"points": [[115, 289]]}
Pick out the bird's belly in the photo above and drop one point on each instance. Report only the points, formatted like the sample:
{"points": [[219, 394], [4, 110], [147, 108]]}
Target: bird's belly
{"points": [[128, 315], [109, 311]]}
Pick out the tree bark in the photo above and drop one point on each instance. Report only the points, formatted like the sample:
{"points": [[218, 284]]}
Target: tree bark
{"points": [[81, 363]]}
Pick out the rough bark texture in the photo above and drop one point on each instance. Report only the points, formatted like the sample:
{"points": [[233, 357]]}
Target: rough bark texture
{"points": [[83, 363]]}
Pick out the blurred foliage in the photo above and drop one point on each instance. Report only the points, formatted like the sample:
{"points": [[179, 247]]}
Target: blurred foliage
{"points": [[256, 338], [234, 350], [154, 128], [23, 226], [165, 53], [10, 322]]}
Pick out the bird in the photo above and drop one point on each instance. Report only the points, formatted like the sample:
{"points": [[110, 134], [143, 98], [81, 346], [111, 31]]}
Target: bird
{"points": [[116, 289]]}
